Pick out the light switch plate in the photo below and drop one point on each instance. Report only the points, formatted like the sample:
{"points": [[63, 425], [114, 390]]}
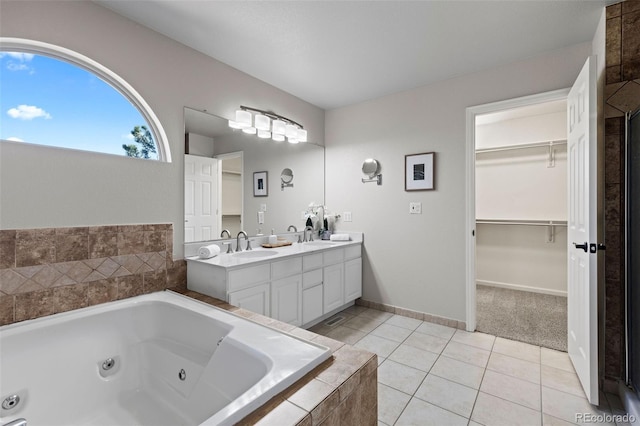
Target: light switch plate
{"points": [[415, 208], [347, 217], [260, 218]]}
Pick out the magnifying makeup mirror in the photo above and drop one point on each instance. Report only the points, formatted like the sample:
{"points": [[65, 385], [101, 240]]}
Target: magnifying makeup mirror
{"points": [[286, 177], [371, 168]]}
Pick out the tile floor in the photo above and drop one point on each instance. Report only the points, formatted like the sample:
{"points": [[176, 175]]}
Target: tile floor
{"points": [[430, 374]]}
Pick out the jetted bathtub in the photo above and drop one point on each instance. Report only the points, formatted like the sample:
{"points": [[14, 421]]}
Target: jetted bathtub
{"points": [[157, 359]]}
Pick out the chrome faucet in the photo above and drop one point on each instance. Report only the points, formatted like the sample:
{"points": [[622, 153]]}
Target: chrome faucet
{"points": [[238, 248], [225, 231], [308, 228], [17, 422], [294, 228]]}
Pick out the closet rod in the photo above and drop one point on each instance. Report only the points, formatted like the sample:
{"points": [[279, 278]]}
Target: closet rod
{"points": [[523, 146], [523, 222]]}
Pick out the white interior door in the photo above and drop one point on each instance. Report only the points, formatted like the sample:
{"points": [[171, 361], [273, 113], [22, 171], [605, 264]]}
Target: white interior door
{"points": [[201, 193], [582, 232]]}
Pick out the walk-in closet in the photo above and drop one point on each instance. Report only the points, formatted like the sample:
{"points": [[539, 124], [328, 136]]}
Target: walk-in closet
{"points": [[521, 224]]}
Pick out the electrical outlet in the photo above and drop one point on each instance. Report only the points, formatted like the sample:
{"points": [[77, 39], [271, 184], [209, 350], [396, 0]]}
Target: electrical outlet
{"points": [[415, 208], [263, 207], [346, 217], [260, 218]]}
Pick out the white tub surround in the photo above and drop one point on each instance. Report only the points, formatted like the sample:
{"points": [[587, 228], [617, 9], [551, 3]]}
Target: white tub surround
{"points": [[157, 359], [300, 284]]}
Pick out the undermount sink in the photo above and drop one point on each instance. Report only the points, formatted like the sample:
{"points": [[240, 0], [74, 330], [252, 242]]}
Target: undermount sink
{"points": [[255, 254], [319, 244]]}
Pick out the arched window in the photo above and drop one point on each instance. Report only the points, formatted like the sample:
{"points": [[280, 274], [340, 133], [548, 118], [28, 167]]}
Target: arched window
{"points": [[53, 96]]}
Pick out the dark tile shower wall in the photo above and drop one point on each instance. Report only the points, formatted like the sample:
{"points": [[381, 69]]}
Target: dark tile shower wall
{"points": [[51, 270], [622, 94]]}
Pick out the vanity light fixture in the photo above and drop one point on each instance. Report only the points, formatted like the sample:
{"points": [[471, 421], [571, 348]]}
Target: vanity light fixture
{"points": [[268, 124]]}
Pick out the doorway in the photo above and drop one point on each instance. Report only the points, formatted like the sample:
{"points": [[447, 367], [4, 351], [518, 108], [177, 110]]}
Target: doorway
{"points": [[516, 216], [231, 191], [521, 223]]}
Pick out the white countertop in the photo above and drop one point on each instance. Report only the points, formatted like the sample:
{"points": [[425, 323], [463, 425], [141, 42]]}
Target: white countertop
{"points": [[260, 254]]}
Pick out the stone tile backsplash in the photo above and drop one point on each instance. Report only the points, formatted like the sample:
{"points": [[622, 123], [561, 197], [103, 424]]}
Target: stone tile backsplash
{"points": [[50, 270]]}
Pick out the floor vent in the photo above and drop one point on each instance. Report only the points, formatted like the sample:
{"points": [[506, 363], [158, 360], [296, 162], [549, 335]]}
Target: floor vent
{"points": [[333, 321]]}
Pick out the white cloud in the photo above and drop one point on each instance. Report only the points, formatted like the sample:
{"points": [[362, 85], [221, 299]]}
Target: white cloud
{"points": [[20, 56], [13, 66], [28, 112], [128, 136], [17, 61], [14, 139]]}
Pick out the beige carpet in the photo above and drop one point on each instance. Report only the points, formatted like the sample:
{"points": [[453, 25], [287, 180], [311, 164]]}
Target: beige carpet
{"points": [[539, 319]]}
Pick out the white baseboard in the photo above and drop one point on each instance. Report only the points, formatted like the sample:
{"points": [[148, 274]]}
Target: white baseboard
{"points": [[522, 288]]}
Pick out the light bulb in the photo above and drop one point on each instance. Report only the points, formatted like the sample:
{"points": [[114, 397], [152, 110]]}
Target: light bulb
{"points": [[276, 137], [243, 118], [262, 122], [292, 140], [264, 134], [249, 130], [234, 124], [279, 127], [302, 135], [292, 131]]}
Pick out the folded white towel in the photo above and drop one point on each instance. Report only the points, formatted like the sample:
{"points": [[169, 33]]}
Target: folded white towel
{"points": [[339, 237], [207, 252]]}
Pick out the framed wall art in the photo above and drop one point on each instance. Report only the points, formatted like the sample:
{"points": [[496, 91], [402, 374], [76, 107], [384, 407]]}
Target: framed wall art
{"points": [[260, 184], [419, 171]]}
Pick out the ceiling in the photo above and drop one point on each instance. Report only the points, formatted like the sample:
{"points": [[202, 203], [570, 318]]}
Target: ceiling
{"points": [[337, 53]]}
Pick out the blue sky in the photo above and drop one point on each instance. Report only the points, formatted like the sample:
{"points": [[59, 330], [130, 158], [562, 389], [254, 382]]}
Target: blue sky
{"points": [[51, 102]]}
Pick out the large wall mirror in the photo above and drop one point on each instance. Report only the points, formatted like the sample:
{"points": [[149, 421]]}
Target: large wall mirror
{"points": [[220, 164]]}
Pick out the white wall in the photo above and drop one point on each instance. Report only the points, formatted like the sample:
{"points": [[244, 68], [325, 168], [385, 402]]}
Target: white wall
{"points": [[418, 261], [200, 145], [45, 187]]}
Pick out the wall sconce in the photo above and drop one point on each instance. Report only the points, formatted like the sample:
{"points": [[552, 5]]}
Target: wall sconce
{"points": [[267, 125], [371, 167]]}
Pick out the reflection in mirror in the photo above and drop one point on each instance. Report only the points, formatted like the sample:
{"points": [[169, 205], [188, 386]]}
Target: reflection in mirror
{"points": [[286, 177], [236, 157]]}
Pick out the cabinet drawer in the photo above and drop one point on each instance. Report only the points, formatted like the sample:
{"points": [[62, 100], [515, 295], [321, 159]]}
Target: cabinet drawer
{"points": [[312, 261], [247, 277], [352, 252], [333, 256], [286, 268], [311, 278]]}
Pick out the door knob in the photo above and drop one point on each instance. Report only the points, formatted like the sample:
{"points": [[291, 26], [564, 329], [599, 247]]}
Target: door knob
{"points": [[584, 246]]}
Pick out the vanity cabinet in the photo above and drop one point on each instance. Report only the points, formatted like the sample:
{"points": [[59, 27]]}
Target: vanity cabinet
{"points": [[297, 289], [255, 299]]}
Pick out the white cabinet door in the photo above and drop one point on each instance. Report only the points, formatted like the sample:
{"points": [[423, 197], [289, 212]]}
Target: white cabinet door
{"points": [[311, 304], [286, 300], [352, 279], [255, 299], [333, 287]]}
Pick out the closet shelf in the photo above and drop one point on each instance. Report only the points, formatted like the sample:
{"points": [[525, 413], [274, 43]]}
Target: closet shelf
{"points": [[522, 222], [550, 224], [546, 144]]}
